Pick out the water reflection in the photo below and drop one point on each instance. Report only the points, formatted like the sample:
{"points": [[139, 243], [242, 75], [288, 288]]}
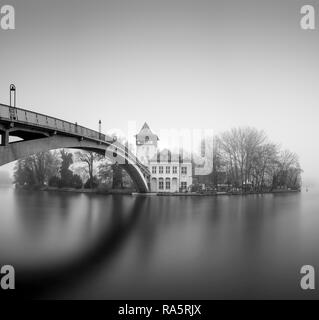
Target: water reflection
{"points": [[92, 237], [93, 246]]}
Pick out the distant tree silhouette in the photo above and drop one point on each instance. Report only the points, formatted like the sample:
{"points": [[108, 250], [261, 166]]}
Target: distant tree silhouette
{"points": [[37, 169], [250, 161]]}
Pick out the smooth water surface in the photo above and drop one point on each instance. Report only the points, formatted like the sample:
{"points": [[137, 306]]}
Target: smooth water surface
{"points": [[69, 245]]}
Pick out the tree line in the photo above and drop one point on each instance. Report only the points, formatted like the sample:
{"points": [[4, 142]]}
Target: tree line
{"points": [[64, 169], [243, 158], [246, 159]]}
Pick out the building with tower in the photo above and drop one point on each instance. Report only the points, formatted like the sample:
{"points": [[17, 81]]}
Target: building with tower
{"points": [[169, 172]]}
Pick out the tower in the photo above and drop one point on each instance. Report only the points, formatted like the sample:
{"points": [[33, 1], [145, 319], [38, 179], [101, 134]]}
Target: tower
{"points": [[146, 144]]}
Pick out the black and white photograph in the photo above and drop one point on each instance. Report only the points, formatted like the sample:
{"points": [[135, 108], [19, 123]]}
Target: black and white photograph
{"points": [[160, 151]]}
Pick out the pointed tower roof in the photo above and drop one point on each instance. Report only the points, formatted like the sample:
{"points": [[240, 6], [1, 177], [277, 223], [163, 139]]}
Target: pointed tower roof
{"points": [[146, 131], [145, 126]]}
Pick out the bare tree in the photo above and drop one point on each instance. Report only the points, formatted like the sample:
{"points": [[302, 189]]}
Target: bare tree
{"points": [[89, 158], [287, 173], [249, 158], [239, 147], [263, 165]]}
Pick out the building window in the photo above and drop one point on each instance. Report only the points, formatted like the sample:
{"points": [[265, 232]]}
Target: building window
{"points": [[160, 169], [184, 170], [167, 184], [174, 169], [184, 185], [147, 139], [161, 184], [153, 169], [153, 184], [168, 169]]}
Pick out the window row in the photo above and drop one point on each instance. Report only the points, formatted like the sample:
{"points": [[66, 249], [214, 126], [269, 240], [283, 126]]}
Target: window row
{"points": [[168, 184], [168, 170]]}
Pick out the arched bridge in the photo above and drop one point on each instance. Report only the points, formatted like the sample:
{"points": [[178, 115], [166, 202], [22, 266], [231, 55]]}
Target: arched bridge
{"points": [[41, 133]]}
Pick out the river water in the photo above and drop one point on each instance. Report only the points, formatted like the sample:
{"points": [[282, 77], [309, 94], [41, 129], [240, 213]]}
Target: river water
{"points": [[69, 245]]}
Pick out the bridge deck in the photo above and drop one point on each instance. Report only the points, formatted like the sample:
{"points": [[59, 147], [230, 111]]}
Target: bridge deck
{"points": [[28, 117], [37, 120]]}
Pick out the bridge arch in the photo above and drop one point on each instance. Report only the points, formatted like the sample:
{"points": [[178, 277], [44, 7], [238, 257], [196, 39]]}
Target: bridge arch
{"points": [[41, 133]]}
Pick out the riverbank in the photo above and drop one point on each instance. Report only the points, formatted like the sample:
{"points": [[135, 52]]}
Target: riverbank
{"points": [[206, 194], [91, 191], [161, 194]]}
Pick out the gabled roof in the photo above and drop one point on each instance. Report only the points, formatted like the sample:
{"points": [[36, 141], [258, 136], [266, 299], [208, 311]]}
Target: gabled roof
{"points": [[146, 131], [145, 126]]}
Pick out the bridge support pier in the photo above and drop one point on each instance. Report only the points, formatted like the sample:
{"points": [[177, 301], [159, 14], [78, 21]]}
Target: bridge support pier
{"points": [[4, 138]]}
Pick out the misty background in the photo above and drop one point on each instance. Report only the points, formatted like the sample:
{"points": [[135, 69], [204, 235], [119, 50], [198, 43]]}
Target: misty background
{"points": [[175, 64]]}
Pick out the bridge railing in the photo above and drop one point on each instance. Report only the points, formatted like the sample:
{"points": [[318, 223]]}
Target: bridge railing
{"points": [[41, 120], [28, 117]]}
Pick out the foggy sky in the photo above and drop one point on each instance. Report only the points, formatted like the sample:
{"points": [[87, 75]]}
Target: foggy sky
{"points": [[175, 64]]}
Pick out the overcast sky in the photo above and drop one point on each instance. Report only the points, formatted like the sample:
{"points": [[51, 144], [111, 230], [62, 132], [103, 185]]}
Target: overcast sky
{"points": [[172, 63]]}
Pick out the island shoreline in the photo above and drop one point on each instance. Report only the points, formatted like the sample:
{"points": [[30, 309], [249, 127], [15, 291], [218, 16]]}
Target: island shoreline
{"points": [[160, 194]]}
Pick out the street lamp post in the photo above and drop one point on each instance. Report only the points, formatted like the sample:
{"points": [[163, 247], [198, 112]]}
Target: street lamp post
{"points": [[13, 100], [12, 95]]}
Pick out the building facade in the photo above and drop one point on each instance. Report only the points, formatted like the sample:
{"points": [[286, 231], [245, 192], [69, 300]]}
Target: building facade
{"points": [[169, 172]]}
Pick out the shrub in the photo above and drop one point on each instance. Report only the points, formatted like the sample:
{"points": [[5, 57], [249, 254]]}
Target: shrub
{"points": [[76, 182], [94, 184], [54, 181]]}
